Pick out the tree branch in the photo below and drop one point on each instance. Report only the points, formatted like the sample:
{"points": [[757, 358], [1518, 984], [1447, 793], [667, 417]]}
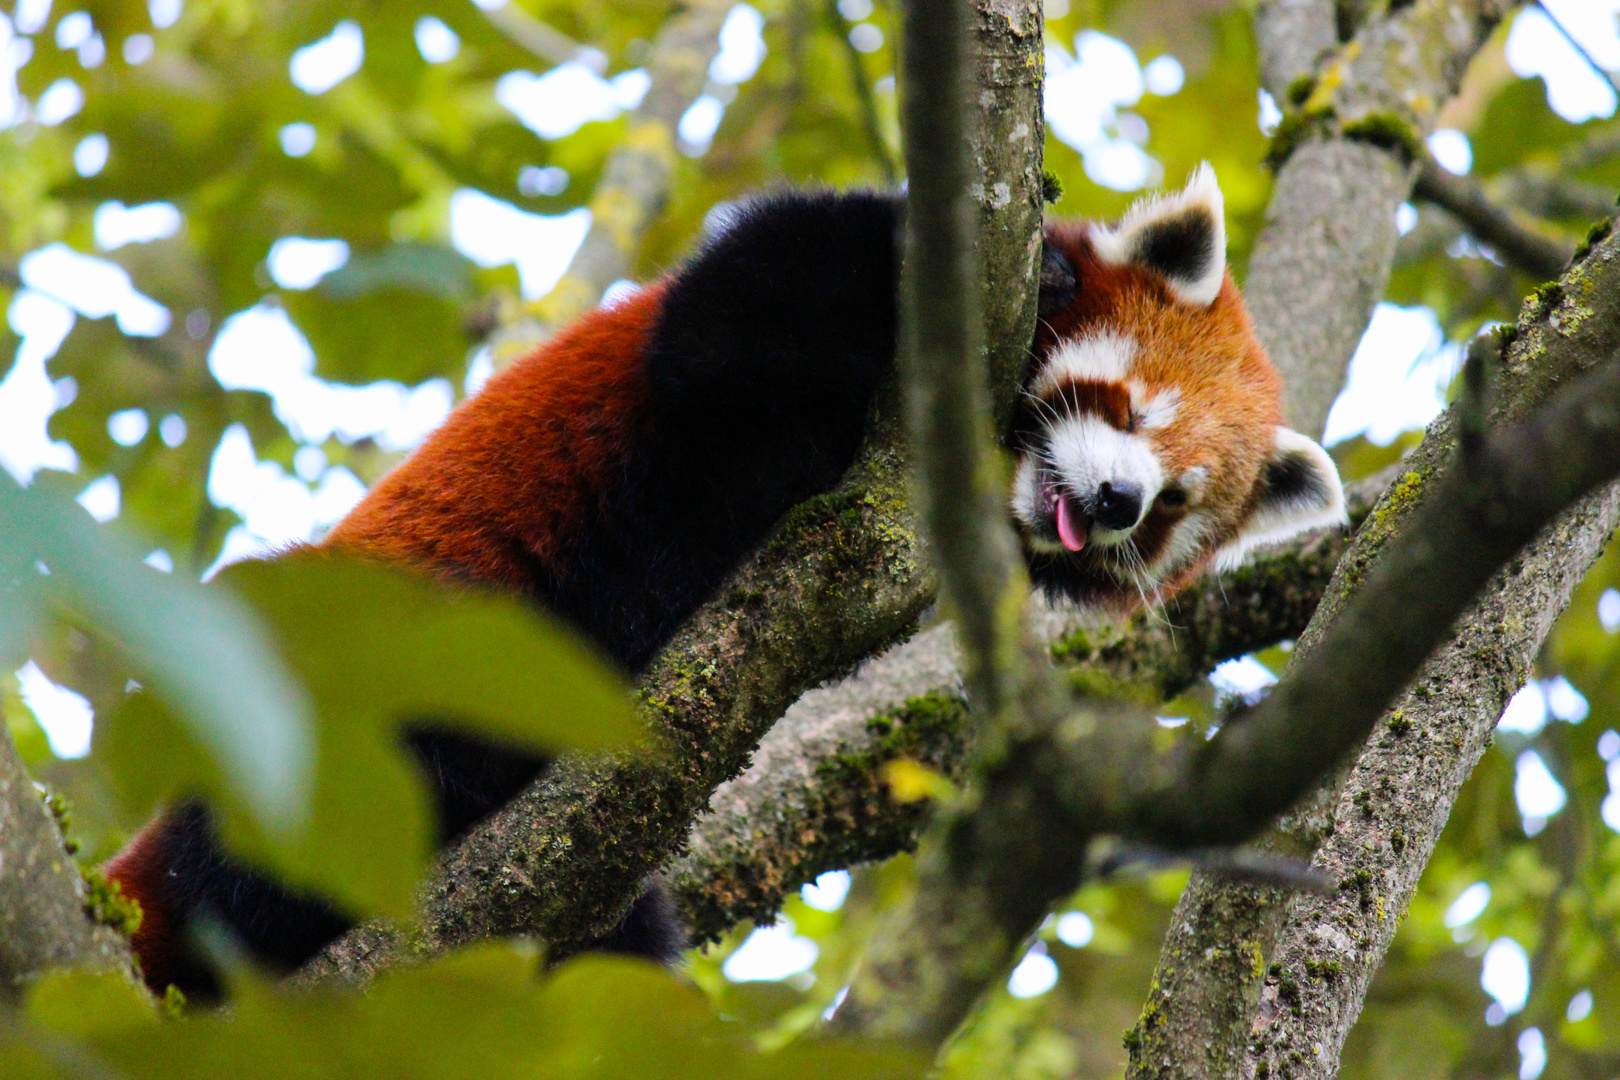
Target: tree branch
{"points": [[44, 921], [1008, 137], [1537, 254], [1199, 1016], [1346, 149], [1020, 843], [933, 957], [1454, 708], [843, 577], [1295, 36], [814, 799]]}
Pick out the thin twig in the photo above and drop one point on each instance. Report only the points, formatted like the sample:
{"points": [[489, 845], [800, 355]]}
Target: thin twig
{"points": [[1538, 255], [864, 96], [540, 39]]}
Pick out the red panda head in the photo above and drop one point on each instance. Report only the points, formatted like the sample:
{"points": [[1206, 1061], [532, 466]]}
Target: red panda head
{"points": [[1149, 437]]}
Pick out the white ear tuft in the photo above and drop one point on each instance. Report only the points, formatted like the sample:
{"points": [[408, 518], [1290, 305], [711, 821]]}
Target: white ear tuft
{"points": [[1299, 490], [1181, 235]]}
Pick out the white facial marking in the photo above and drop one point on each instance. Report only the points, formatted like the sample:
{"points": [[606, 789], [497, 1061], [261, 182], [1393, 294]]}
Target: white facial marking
{"points": [[1184, 546], [1280, 519], [1118, 244], [1085, 452], [1103, 356], [1192, 482], [1156, 411]]}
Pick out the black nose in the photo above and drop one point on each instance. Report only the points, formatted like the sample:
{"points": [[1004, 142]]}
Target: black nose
{"points": [[1118, 505]]}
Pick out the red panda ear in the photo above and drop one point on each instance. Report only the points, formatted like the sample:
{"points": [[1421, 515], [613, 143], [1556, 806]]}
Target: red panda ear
{"points": [[1181, 236], [1298, 489], [1058, 282]]}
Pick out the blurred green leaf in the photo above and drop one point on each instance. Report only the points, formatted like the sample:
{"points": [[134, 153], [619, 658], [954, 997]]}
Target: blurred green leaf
{"points": [[477, 1014], [378, 648], [199, 649], [81, 1004], [396, 313]]}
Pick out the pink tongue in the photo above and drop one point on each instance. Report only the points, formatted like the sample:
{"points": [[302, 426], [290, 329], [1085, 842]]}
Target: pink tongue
{"points": [[1073, 538]]}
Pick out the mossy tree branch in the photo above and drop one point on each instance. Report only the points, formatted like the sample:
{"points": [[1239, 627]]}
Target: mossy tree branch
{"points": [[933, 956], [46, 915], [1449, 715], [1200, 1018], [814, 799], [1351, 133], [1018, 842], [1345, 155]]}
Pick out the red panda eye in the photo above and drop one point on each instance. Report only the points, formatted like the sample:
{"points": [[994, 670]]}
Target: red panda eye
{"points": [[1171, 498], [1133, 423]]}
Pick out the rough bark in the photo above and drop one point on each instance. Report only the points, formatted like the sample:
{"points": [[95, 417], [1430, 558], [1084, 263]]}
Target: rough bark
{"points": [[843, 577], [45, 924], [1319, 267], [1294, 36], [933, 956], [1008, 137], [1390, 812], [813, 800], [1199, 1014], [1411, 783], [1347, 149]]}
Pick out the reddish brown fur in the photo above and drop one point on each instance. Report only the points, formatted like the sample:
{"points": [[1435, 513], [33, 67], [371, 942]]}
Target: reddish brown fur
{"points": [[525, 458], [1111, 401], [1230, 395], [140, 870]]}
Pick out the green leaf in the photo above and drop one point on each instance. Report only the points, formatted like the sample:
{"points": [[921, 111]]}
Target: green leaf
{"points": [[396, 313], [378, 648], [198, 649], [80, 1003], [482, 1013], [385, 645]]}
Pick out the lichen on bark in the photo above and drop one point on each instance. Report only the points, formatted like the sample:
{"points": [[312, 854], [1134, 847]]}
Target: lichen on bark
{"points": [[1344, 159], [47, 912], [781, 823], [1213, 1015]]}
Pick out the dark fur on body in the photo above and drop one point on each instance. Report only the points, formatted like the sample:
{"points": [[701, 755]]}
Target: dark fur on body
{"points": [[755, 382], [771, 346]]}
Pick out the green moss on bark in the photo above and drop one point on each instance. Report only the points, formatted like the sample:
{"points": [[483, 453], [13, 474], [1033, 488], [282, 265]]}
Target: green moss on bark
{"points": [[1388, 130], [105, 902]]}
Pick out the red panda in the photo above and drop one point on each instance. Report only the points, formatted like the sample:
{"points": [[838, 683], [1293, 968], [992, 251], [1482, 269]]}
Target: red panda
{"points": [[1149, 440], [619, 472]]}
